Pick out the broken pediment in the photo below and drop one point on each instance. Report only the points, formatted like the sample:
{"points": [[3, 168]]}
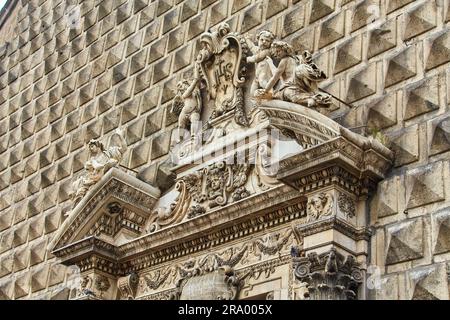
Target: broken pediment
{"points": [[117, 207]]}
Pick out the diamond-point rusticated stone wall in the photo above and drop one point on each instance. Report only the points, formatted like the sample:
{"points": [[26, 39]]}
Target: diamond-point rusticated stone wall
{"points": [[63, 83]]}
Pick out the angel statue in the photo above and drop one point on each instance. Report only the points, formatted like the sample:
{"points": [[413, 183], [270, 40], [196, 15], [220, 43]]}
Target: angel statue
{"points": [[99, 162], [298, 77], [187, 104], [261, 57]]}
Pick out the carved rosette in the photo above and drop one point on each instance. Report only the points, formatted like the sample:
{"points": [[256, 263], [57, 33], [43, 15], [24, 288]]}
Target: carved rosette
{"points": [[93, 287], [328, 276]]}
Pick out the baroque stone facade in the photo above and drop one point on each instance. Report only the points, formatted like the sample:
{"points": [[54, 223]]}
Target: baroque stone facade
{"points": [[224, 149]]}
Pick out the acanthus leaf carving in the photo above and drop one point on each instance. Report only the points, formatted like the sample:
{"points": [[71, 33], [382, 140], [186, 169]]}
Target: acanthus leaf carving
{"points": [[328, 276]]}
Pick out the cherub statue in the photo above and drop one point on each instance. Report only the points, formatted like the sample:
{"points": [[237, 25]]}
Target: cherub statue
{"points": [[261, 57], [187, 104], [298, 76], [99, 162]]}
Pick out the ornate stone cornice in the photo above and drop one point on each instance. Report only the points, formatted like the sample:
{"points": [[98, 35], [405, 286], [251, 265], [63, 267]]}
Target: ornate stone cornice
{"points": [[115, 187], [358, 163], [333, 223], [152, 252]]}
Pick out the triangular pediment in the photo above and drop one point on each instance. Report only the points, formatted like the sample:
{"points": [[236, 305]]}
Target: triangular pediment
{"points": [[117, 207]]}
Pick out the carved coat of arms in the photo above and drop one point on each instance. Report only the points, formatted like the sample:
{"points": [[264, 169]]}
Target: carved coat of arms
{"points": [[221, 58]]}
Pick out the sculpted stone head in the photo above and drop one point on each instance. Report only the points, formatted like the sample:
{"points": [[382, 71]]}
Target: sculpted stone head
{"points": [[95, 146], [281, 49], [265, 39]]}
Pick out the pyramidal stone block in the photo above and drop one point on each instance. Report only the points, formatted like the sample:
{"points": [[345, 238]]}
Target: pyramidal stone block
{"points": [[170, 20], [36, 227], [161, 69], [217, 14], [404, 241], [134, 131], [382, 38], [397, 4], [142, 81], [438, 49], [348, 54], [197, 25], [362, 84], [163, 6], [153, 122], [424, 185], [160, 145], [134, 43], [147, 15], [385, 202], [6, 218], [124, 12], [405, 144], [52, 220], [38, 279], [139, 155], [440, 135], [6, 267], [332, 30], [152, 32], [21, 286], [120, 71], [420, 19], [124, 91], [441, 227], [363, 13], [401, 66], [428, 283], [7, 290], [252, 17], [190, 8], [56, 275], [320, 8], [130, 111], [421, 97]]}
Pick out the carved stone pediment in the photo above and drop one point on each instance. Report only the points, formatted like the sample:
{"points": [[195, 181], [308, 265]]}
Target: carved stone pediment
{"points": [[118, 205]]}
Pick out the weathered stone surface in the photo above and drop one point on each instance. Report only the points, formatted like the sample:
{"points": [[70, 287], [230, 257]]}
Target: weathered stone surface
{"points": [[321, 8], [420, 19], [441, 229], [439, 135], [382, 38], [404, 241], [438, 47], [424, 185], [405, 144], [428, 283], [362, 84], [332, 30], [401, 66], [421, 97], [348, 54], [385, 202]]}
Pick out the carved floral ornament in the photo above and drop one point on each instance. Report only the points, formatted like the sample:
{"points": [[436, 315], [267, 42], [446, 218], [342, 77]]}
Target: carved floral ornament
{"points": [[228, 263]]}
